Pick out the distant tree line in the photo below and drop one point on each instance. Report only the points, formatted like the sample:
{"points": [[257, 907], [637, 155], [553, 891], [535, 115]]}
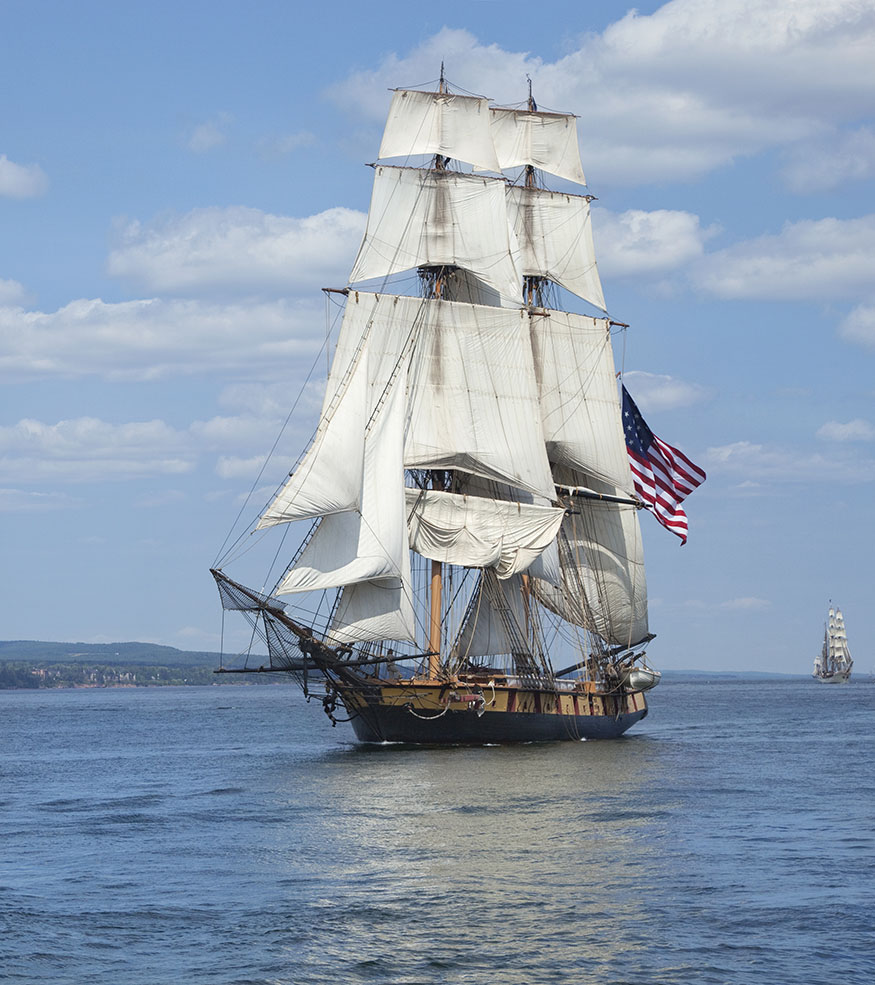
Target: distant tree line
{"points": [[25, 674]]}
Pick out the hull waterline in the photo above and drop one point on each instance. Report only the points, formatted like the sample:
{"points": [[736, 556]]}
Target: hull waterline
{"points": [[465, 728], [431, 715], [833, 678]]}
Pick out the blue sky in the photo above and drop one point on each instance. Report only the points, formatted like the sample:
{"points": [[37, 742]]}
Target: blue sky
{"points": [[178, 181]]}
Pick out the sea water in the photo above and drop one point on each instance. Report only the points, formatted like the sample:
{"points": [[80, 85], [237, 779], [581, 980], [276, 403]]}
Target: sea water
{"points": [[231, 835]]}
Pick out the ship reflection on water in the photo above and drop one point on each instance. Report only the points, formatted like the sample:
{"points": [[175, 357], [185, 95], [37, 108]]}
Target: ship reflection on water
{"points": [[489, 858]]}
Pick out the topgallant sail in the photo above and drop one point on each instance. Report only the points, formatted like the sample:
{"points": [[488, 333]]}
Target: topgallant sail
{"points": [[473, 569]]}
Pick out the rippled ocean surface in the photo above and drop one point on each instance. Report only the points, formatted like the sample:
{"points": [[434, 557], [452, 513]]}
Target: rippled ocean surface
{"points": [[230, 835]]}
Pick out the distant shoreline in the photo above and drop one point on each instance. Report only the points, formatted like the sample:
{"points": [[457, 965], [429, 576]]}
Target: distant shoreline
{"points": [[41, 665]]}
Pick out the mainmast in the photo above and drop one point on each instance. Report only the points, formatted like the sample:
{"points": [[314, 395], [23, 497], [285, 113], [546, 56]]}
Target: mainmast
{"points": [[433, 290], [533, 287]]}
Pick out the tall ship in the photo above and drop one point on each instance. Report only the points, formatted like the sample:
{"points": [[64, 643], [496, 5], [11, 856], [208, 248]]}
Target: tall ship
{"points": [[833, 664], [470, 565]]}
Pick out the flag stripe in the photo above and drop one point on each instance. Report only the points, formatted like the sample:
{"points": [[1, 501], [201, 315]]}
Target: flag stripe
{"points": [[663, 476]]}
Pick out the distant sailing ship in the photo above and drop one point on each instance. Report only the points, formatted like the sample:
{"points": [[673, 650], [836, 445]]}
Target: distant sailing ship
{"points": [[473, 570], [834, 663]]}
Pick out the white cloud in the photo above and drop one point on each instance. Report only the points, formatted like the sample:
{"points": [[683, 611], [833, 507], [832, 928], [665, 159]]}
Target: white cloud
{"points": [[807, 260], [85, 449], [28, 501], [856, 430], [636, 243], [238, 250], [654, 392], [12, 293], [219, 431], [21, 180], [676, 93], [748, 604], [153, 339], [774, 464], [272, 400], [209, 135], [859, 326], [282, 145], [232, 467], [817, 166], [88, 449]]}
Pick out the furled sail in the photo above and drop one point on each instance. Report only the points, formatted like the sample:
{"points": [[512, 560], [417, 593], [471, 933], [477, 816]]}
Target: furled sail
{"points": [[440, 123], [555, 237], [602, 560], [547, 141], [477, 532], [546, 564], [422, 218], [580, 409]]}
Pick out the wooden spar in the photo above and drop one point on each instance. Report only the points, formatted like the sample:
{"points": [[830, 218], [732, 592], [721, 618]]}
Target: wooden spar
{"points": [[526, 589], [434, 635], [585, 493]]}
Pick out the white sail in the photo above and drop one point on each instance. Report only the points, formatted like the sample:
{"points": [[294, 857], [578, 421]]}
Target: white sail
{"points": [[440, 123], [380, 609], [546, 564], [839, 641], [477, 532], [502, 400], [370, 542], [835, 663], [554, 232], [604, 586], [432, 218], [474, 400], [329, 477], [497, 622], [580, 408], [547, 141]]}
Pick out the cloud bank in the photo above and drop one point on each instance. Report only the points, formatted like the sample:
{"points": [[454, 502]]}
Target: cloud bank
{"points": [[680, 92], [157, 338], [237, 251]]}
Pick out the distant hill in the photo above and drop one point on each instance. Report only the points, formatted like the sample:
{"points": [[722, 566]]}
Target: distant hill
{"points": [[38, 651], [154, 654]]}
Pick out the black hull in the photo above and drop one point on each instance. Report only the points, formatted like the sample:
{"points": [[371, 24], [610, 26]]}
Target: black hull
{"points": [[465, 727]]}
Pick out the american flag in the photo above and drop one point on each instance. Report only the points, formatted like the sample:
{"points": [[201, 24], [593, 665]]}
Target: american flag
{"points": [[663, 476]]}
